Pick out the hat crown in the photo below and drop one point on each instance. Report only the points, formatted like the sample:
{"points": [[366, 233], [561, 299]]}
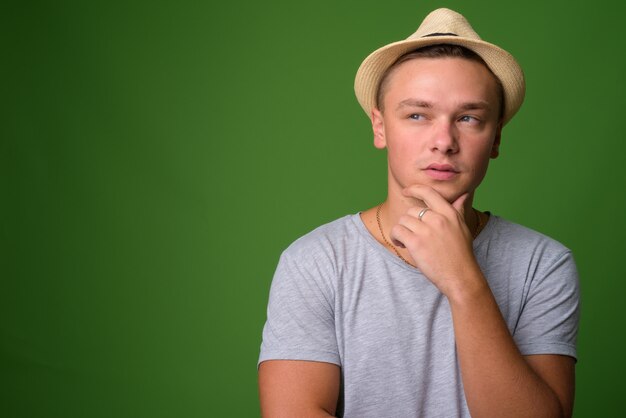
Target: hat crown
{"points": [[445, 22]]}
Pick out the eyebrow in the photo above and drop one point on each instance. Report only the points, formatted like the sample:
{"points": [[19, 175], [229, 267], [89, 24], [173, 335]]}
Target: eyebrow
{"points": [[475, 105], [482, 104], [413, 103]]}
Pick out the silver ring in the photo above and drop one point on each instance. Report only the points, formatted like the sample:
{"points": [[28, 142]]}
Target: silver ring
{"points": [[422, 212]]}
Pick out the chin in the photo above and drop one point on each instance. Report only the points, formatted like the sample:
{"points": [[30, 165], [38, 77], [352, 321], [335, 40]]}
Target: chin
{"points": [[447, 193]]}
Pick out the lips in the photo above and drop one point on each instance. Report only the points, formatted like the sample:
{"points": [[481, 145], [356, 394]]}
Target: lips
{"points": [[441, 171]]}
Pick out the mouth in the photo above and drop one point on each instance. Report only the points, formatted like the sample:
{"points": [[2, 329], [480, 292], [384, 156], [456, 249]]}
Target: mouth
{"points": [[441, 171]]}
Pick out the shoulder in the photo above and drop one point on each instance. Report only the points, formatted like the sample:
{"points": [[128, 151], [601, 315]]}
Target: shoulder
{"points": [[311, 264], [325, 239], [514, 238], [522, 251], [325, 252]]}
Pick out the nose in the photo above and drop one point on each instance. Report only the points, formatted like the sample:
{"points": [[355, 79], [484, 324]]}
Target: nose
{"points": [[445, 138]]}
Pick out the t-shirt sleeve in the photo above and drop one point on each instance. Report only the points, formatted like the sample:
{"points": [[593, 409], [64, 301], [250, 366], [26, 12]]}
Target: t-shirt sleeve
{"points": [[300, 314], [548, 323]]}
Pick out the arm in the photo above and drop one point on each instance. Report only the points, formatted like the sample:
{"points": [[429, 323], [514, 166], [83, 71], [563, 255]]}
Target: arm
{"points": [[299, 374], [497, 379], [298, 388]]}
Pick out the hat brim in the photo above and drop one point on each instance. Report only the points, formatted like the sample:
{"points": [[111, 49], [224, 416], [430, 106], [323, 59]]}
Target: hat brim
{"points": [[499, 61]]}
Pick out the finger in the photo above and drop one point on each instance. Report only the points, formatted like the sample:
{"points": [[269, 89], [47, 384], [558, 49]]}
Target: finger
{"points": [[459, 204], [418, 212], [410, 221], [397, 243], [401, 235], [429, 196]]}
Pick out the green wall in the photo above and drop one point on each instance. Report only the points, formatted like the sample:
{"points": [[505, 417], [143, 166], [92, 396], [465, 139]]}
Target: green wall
{"points": [[155, 159]]}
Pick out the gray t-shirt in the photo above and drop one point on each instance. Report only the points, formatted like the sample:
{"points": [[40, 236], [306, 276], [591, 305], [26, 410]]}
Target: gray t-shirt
{"points": [[339, 296]]}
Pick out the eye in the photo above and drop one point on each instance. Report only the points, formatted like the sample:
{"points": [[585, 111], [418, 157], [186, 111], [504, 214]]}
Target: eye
{"points": [[416, 116], [469, 119]]}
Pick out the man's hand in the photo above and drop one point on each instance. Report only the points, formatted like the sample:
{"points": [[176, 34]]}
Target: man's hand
{"points": [[440, 243]]}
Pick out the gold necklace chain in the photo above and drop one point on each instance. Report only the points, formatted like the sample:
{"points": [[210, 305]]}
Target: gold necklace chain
{"points": [[479, 225]]}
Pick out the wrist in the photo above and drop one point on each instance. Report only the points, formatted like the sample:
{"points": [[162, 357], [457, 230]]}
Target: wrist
{"points": [[472, 287]]}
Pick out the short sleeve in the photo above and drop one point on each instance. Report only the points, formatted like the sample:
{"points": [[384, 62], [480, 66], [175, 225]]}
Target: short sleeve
{"points": [[300, 315], [548, 323]]}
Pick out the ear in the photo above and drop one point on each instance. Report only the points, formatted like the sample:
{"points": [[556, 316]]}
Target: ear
{"points": [[378, 127], [495, 148]]}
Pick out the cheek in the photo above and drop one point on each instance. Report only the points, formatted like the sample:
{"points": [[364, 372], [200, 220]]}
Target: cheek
{"points": [[480, 169], [400, 154], [481, 151], [403, 142]]}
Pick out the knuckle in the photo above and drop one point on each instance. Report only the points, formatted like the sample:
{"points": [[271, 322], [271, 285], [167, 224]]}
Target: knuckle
{"points": [[396, 231], [414, 211], [438, 220]]}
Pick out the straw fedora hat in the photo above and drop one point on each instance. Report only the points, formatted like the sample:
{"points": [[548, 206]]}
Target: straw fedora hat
{"points": [[442, 26]]}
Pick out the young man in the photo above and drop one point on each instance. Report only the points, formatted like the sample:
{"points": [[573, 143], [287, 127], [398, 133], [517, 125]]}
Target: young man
{"points": [[424, 306]]}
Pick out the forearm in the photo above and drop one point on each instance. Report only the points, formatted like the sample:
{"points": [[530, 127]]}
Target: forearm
{"points": [[284, 413], [496, 378]]}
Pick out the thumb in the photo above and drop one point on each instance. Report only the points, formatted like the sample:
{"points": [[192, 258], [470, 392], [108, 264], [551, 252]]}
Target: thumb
{"points": [[459, 203]]}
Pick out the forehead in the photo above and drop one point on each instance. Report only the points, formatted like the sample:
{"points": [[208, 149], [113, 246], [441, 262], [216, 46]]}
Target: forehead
{"points": [[442, 79]]}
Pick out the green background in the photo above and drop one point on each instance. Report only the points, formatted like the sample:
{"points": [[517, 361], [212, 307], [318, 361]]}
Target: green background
{"points": [[156, 158]]}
